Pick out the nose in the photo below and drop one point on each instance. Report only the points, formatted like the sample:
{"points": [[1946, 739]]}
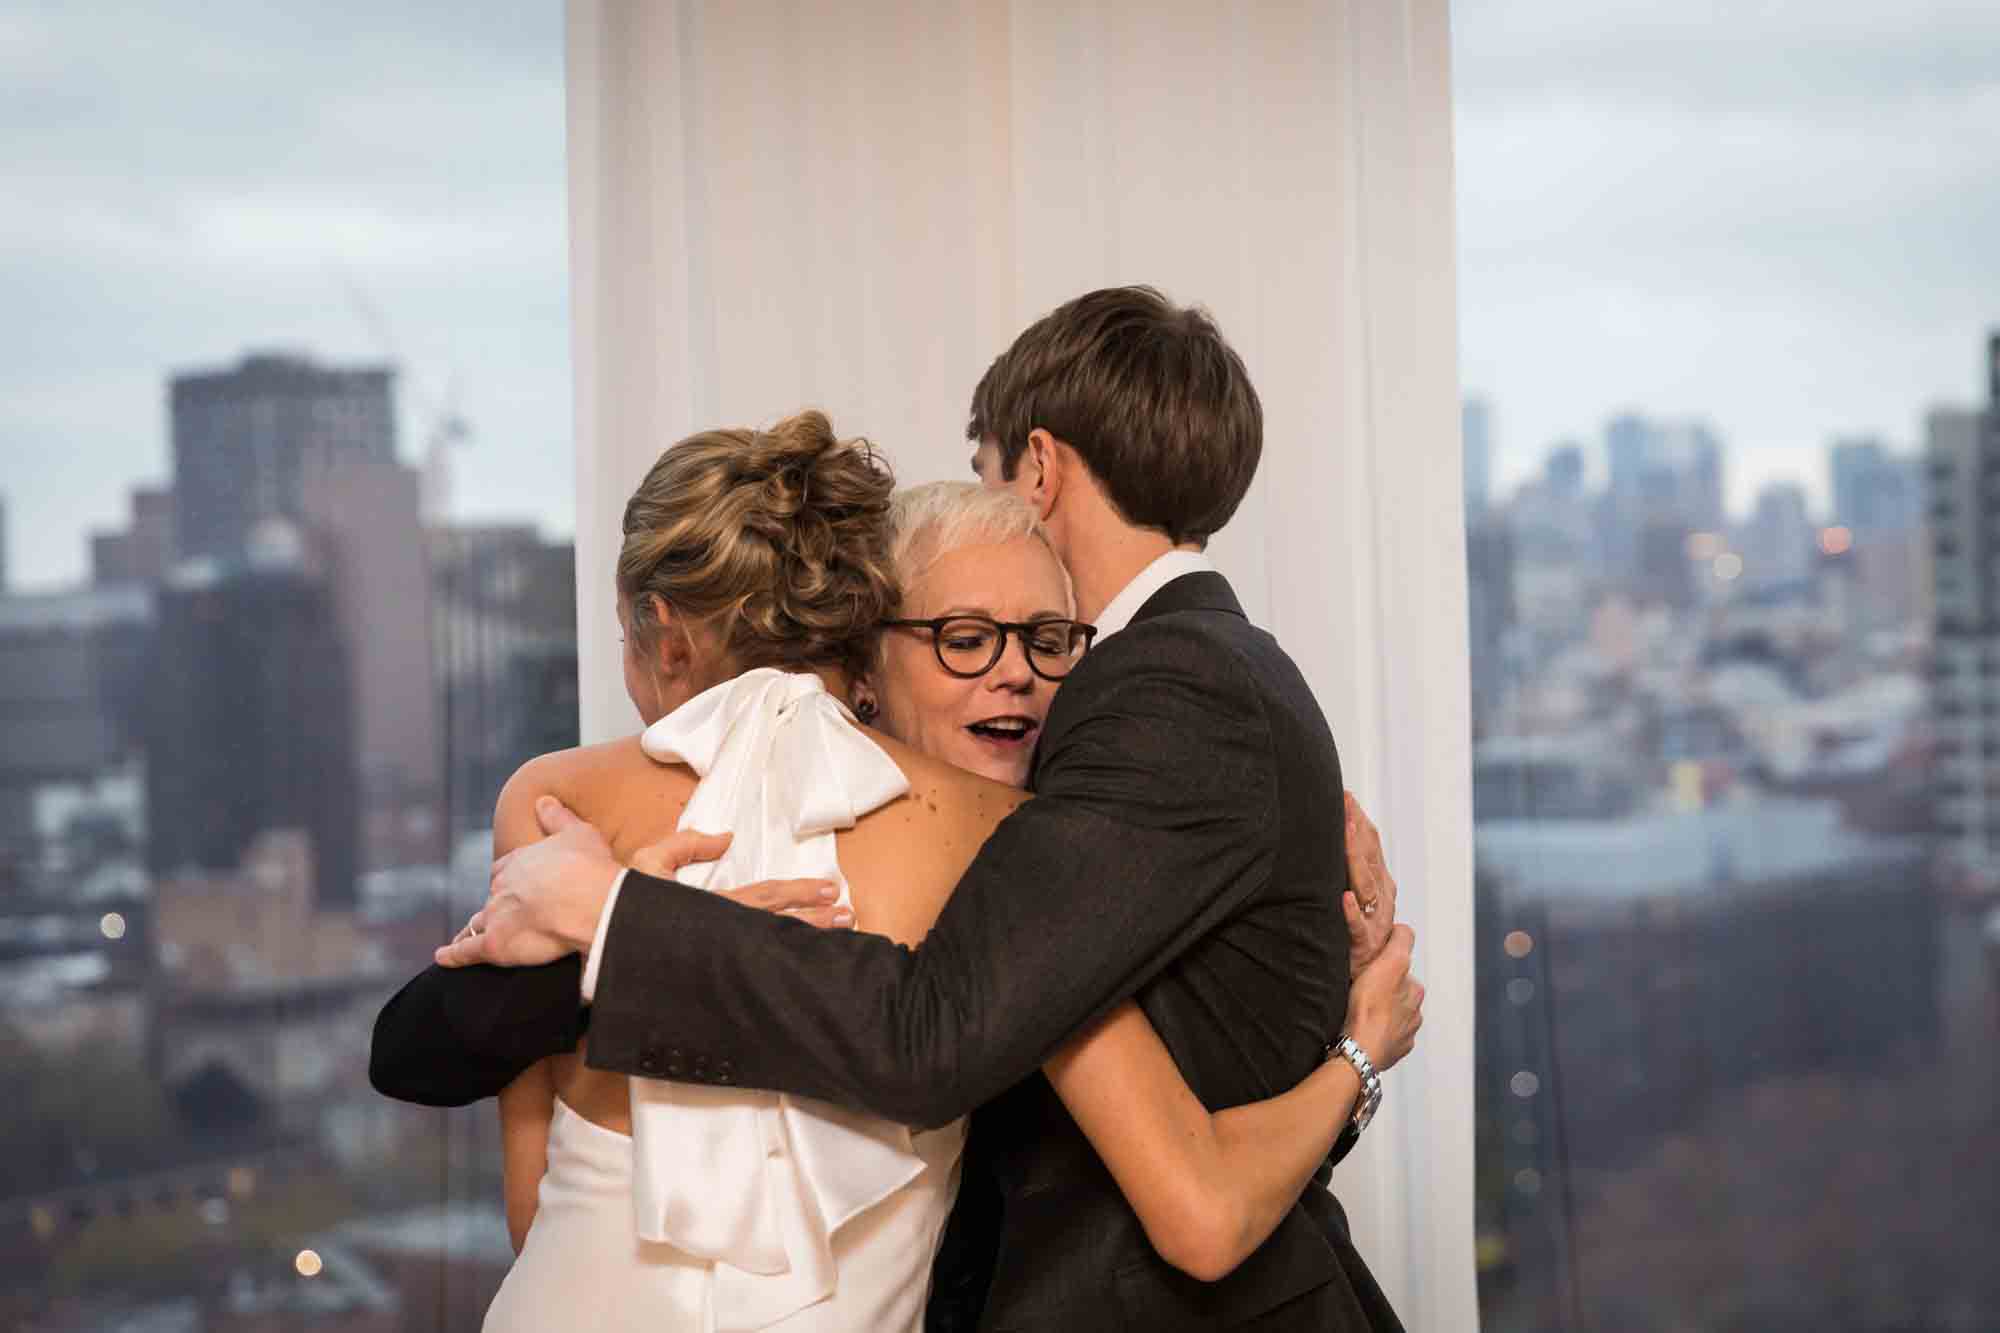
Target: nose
{"points": [[1012, 672]]}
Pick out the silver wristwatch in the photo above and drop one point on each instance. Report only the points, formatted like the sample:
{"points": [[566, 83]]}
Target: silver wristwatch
{"points": [[1371, 1082]]}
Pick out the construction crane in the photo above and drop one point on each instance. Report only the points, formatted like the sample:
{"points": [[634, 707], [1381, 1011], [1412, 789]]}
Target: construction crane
{"points": [[445, 427]]}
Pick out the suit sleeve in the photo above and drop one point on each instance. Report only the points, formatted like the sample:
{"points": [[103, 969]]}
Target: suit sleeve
{"points": [[1154, 822], [453, 1036]]}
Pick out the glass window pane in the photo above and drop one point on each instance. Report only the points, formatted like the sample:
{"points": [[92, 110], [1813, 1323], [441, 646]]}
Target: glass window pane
{"points": [[1732, 344], [285, 595]]}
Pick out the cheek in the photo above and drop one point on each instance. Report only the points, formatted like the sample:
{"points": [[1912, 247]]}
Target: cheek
{"points": [[941, 697], [927, 701]]}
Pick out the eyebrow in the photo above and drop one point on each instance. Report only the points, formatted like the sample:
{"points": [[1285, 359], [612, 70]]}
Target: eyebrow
{"points": [[1033, 616]]}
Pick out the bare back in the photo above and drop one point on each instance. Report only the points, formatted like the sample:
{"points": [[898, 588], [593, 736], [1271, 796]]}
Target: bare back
{"points": [[901, 861]]}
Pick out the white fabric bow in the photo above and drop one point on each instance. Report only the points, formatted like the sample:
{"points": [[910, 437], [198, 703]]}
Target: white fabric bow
{"points": [[758, 1182]]}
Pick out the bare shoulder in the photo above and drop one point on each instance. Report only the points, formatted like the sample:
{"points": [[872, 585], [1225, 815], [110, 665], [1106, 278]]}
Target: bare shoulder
{"points": [[944, 795], [613, 784], [904, 860], [577, 771]]}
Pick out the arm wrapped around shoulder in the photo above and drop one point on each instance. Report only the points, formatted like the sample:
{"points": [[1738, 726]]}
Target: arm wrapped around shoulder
{"points": [[454, 1036], [1154, 824]]}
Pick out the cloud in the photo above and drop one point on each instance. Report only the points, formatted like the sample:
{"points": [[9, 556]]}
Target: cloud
{"points": [[1775, 217], [188, 184], [1819, 57]]}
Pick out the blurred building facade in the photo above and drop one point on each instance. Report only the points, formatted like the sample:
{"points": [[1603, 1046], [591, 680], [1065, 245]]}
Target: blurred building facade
{"points": [[250, 716], [1962, 458], [505, 646], [144, 550], [248, 440]]}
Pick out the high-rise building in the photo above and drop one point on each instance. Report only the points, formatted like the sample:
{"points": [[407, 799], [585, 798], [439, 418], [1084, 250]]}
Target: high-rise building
{"points": [[73, 673], [365, 514], [1489, 566], [251, 726], [1962, 459], [504, 640], [1666, 482], [1701, 493], [143, 551], [1476, 425], [1874, 490], [1629, 442], [1563, 471], [247, 440], [1778, 541]]}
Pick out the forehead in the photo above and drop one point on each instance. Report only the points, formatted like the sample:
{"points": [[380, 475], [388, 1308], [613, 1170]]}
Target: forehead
{"points": [[1009, 580]]}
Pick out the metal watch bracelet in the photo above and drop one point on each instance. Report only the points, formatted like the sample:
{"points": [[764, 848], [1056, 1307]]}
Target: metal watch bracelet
{"points": [[1371, 1082]]}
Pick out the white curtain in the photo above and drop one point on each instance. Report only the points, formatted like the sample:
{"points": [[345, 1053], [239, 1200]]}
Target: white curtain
{"points": [[857, 207]]}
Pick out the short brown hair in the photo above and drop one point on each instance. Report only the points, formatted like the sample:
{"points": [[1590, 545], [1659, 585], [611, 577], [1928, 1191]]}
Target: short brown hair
{"points": [[1149, 395], [780, 538]]}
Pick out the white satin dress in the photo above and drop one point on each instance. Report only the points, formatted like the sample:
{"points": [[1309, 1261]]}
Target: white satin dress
{"points": [[730, 1210]]}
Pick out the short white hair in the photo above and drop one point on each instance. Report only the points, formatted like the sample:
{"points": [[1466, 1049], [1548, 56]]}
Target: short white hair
{"points": [[931, 521]]}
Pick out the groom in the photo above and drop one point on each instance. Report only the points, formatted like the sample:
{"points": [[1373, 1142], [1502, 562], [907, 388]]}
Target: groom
{"points": [[1186, 848]]}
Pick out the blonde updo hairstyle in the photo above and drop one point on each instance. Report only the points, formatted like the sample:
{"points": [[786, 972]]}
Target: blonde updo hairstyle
{"points": [[778, 539]]}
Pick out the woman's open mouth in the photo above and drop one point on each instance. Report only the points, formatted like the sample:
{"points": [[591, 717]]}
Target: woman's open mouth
{"points": [[1007, 732]]}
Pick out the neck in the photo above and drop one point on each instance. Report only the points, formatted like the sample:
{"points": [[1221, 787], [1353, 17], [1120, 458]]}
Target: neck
{"points": [[1101, 562], [837, 680]]}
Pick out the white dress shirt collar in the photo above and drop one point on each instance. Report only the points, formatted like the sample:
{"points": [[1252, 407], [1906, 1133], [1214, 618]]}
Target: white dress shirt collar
{"points": [[1164, 570]]}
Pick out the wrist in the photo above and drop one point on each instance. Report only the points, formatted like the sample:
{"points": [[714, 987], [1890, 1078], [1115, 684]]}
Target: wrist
{"points": [[1374, 1043], [581, 923], [1347, 1049]]}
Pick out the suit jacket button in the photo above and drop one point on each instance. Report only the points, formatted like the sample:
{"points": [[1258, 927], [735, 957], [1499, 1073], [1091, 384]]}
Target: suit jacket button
{"points": [[649, 1061], [725, 1073], [673, 1068]]}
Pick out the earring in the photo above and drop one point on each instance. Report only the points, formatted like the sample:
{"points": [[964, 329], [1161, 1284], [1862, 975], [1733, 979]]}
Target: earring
{"points": [[866, 708]]}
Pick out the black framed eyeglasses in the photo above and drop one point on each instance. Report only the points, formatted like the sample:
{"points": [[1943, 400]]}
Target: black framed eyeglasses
{"points": [[970, 646]]}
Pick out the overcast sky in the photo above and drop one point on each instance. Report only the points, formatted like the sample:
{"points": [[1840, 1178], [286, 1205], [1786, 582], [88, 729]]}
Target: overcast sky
{"points": [[1782, 221], [183, 182]]}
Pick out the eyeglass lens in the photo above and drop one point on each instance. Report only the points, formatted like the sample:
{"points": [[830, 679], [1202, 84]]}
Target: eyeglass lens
{"points": [[970, 646]]}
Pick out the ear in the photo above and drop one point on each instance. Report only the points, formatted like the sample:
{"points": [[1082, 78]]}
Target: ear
{"points": [[1045, 460], [673, 649], [862, 698]]}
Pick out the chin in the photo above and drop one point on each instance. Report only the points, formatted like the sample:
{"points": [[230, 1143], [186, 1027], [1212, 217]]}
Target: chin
{"points": [[1013, 772]]}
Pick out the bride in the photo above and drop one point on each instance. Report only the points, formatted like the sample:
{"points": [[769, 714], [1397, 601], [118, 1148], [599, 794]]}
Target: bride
{"points": [[770, 593]]}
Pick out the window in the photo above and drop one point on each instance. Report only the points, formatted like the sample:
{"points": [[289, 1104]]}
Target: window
{"points": [[1731, 917], [290, 359]]}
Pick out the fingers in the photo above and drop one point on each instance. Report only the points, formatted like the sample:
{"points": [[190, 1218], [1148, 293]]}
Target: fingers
{"points": [[553, 815], [1365, 865], [784, 895], [676, 850], [463, 951], [1403, 939], [824, 918], [466, 947]]}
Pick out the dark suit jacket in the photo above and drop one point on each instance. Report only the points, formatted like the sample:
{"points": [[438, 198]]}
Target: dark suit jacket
{"points": [[1186, 848]]}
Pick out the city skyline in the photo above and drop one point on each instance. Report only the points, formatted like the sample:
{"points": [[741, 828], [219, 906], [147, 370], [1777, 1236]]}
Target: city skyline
{"points": [[298, 175]]}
